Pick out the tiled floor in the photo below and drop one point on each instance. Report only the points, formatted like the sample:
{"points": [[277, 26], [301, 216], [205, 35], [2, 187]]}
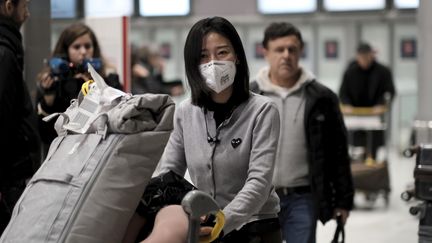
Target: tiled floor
{"points": [[380, 224]]}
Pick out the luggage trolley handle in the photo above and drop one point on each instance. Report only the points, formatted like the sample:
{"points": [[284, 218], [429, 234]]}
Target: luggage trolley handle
{"points": [[196, 204]]}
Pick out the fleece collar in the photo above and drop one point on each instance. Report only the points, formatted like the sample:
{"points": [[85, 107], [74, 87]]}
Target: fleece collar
{"points": [[264, 83]]}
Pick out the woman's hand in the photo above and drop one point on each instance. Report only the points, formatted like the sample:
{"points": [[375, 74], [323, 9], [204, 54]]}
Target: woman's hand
{"points": [[46, 81], [84, 76], [205, 231], [139, 70]]}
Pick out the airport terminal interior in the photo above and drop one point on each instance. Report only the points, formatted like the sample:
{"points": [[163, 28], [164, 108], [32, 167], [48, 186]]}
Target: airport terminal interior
{"points": [[331, 30]]}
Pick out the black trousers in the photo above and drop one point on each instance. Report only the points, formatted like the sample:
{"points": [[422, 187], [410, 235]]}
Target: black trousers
{"points": [[370, 140], [261, 231]]}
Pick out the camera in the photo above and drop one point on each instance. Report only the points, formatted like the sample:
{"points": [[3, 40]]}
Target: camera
{"points": [[62, 68], [63, 72]]}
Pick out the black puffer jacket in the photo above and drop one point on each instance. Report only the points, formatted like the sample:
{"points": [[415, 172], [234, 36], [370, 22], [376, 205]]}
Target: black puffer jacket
{"points": [[326, 136], [19, 139]]}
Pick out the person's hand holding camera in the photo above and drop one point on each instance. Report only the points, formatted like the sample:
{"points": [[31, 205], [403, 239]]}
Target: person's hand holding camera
{"points": [[84, 76], [46, 83]]}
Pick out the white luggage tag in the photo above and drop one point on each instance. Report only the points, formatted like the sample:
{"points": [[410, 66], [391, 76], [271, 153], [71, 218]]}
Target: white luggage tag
{"points": [[99, 99]]}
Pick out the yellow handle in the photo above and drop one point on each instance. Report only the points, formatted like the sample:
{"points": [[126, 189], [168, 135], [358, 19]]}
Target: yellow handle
{"points": [[85, 87], [217, 228], [363, 111]]}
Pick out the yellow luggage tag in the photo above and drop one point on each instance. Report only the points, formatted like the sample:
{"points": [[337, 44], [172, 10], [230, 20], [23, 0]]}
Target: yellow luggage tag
{"points": [[86, 87]]}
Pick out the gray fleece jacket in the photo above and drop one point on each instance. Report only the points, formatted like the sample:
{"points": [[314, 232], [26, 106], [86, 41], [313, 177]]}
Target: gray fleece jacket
{"points": [[291, 168], [237, 171]]}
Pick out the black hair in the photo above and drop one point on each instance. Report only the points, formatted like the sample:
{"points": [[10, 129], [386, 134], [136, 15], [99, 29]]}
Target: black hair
{"points": [[192, 58], [14, 2], [69, 35], [281, 29], [364, 48]]}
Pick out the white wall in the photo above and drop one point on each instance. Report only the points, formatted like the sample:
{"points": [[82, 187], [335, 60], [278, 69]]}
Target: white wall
{"points": [[109, 32], [330, 69], [254, 37], [405, 69], [405, 76], [378, 35]]}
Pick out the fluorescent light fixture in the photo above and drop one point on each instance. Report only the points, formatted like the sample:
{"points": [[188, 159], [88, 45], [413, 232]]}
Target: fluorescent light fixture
{"points": [[406, 3], [63, 9], [153, 8], [286, 6], [108, 8], [353, 5]]}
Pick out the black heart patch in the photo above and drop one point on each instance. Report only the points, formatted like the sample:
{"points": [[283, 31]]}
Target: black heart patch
{"points": [[236, 142]]}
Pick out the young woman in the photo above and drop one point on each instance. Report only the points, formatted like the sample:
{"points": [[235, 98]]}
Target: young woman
{"points": [[225, 136], [60, 82]]}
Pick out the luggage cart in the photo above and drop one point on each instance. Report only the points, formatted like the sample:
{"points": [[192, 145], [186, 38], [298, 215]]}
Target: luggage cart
{"points": [[196, 204], [370, 174]]}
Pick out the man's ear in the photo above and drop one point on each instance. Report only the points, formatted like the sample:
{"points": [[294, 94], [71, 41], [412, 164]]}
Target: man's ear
{"points": [[302, 50], [9, 7], [265, 52]]}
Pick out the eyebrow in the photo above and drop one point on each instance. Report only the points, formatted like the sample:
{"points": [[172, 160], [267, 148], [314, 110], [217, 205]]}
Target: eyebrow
{"points": [[86, 43], [222, 46], [218, 47]]}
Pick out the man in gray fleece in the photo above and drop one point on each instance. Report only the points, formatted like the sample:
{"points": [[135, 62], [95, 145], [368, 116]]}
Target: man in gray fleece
{"points": [[312, 173]]}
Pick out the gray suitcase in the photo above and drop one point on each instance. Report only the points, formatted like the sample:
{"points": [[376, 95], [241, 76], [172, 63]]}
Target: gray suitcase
{"points": [[90, 184]]}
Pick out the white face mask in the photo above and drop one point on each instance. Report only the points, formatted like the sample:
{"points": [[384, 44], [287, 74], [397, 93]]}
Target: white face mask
{"points": [[218, 75]]}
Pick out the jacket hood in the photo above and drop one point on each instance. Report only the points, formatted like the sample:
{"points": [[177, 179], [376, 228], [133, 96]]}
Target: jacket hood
{"points": [[264, 83]]}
